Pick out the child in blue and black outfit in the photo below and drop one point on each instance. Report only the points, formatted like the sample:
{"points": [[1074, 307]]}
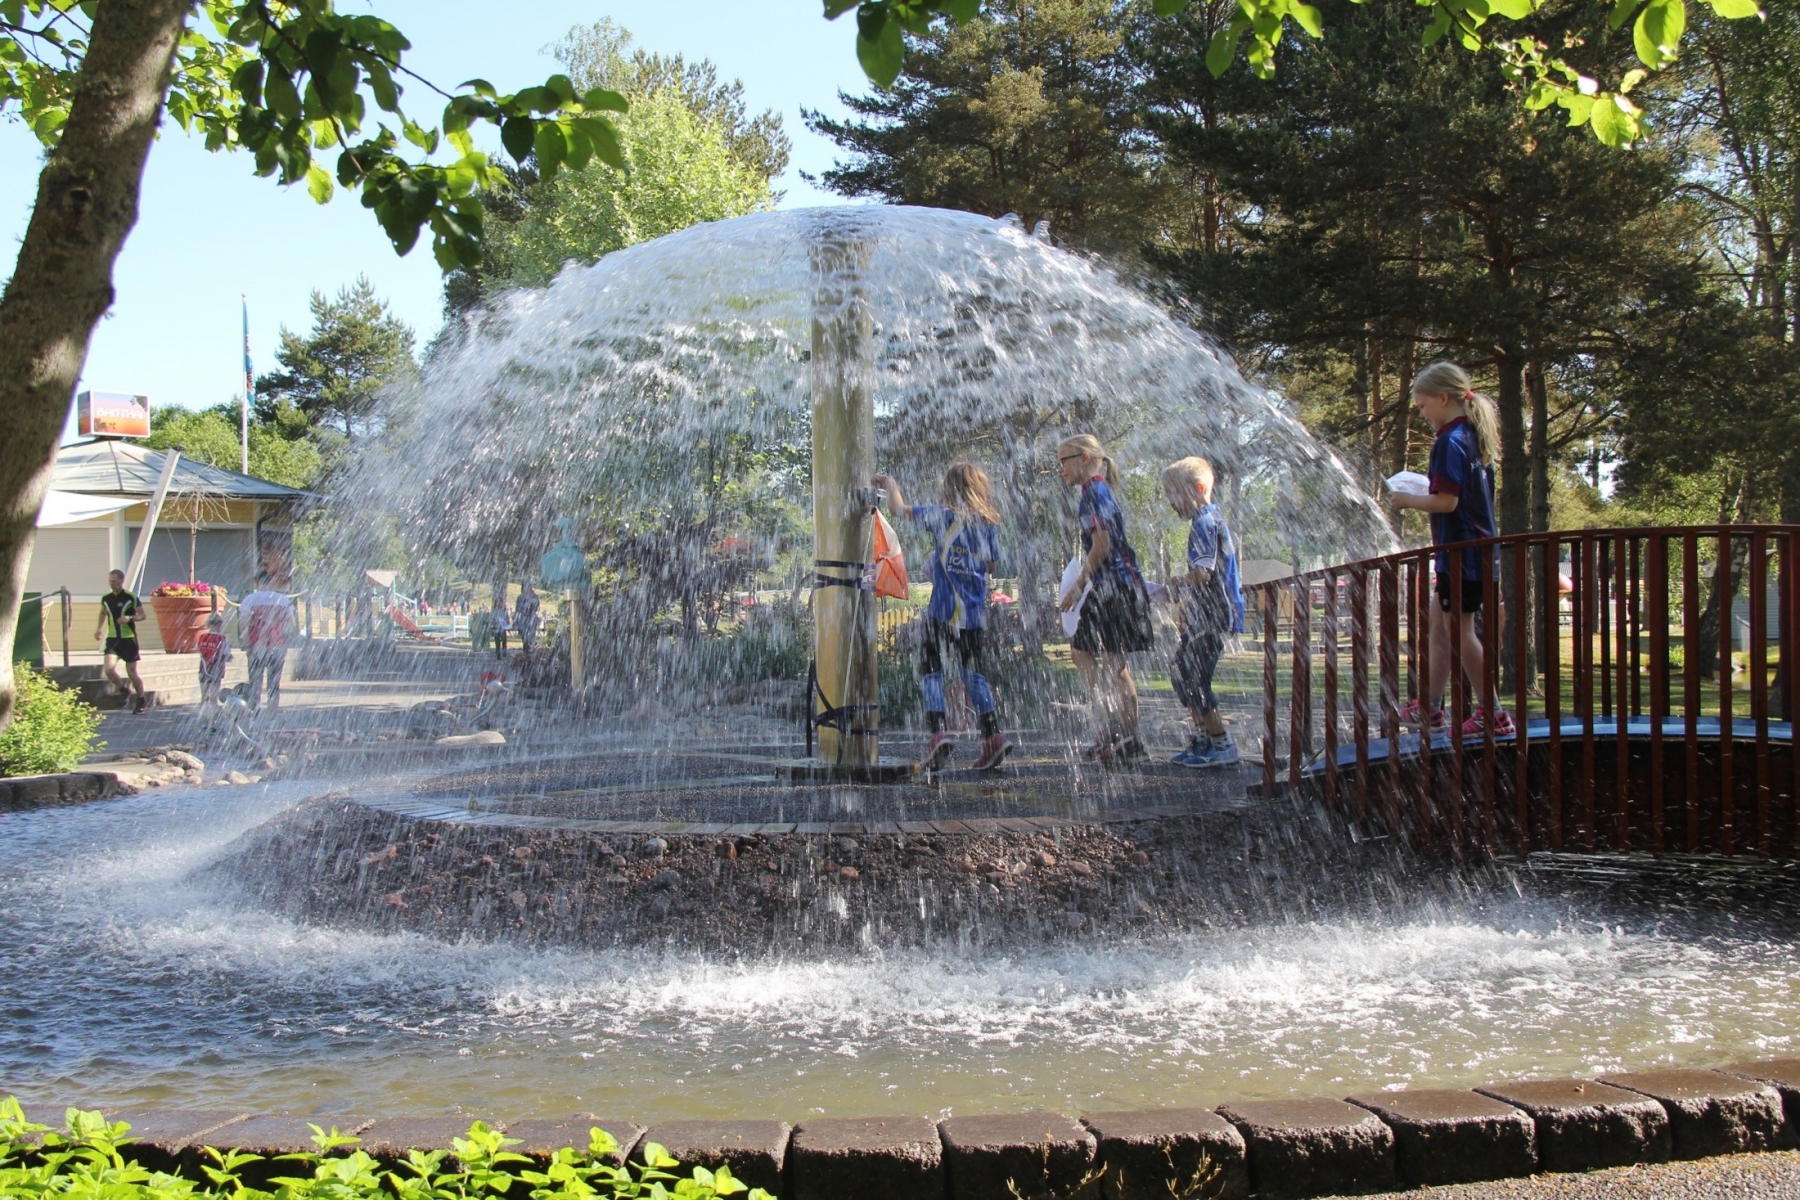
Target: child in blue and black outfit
{"points": [[1461, 506], [1212, 609], [965, 547]]}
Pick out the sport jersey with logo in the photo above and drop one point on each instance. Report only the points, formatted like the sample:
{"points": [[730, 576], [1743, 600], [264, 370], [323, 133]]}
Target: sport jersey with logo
{"points": [[1457, 470], [963, 548], [1211, 545], [1100, 510], [118, 606]]}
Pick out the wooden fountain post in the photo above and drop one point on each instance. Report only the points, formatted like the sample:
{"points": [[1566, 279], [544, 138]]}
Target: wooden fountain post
{"points": [[843, 432]]}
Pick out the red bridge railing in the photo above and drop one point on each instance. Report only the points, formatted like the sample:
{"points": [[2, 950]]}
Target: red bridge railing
{"points": [[1648, 720]]}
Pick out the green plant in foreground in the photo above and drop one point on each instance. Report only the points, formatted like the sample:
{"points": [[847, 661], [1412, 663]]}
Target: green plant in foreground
{"points": [[85, 1161], [52, 728]]}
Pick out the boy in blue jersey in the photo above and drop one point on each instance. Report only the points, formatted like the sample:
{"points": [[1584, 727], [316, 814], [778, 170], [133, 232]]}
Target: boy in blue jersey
{"points": [[964, 548], [1212, 609]]}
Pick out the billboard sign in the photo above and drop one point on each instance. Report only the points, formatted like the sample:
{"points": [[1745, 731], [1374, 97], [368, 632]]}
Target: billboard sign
{"points": [[112, 414]]}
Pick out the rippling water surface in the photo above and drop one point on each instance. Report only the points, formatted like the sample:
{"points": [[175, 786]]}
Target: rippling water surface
{"points": [[126, 983]]}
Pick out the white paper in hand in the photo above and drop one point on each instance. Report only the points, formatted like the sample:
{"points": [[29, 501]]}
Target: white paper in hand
{"points": [[1409, 483], [1071, 618]]}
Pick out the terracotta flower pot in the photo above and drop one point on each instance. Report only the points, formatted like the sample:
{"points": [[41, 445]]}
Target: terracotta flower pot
{"points": [[182, 619]]}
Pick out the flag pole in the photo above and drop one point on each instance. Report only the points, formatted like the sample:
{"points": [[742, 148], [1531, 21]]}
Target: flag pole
{"points": [[249, 393]]}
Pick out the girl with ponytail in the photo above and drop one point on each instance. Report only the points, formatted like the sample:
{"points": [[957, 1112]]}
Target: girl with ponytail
{"points": [[1461, 507], [1115, 614]]}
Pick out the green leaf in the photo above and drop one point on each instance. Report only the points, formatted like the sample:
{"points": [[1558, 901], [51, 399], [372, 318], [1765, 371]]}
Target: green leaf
{"points": [[1657, 32], [837, 8], [281, 96], [1513, 10], [1613, 124], [1223, 47], [318, 184], [1307, 17], [883, 56], [516, 135], [605, 139], [1168, 8], [551, 147], [604, 100], [1579, 107], [1736, 10], [1621, 12], [964, 11]]}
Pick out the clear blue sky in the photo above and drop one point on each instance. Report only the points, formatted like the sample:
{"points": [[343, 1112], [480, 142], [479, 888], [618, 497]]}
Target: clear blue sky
{"points": [[209, 230]]}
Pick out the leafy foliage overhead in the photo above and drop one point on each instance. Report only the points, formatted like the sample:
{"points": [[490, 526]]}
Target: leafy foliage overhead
{"points": [[291, 80], [1540, 70]]}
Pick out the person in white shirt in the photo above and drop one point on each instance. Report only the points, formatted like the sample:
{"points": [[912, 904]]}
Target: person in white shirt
{"points": [[269, 624]]}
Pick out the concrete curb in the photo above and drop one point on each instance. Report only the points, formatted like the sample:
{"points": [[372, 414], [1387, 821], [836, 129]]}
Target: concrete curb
{"points": [[22, 793], [1278, 1148]]}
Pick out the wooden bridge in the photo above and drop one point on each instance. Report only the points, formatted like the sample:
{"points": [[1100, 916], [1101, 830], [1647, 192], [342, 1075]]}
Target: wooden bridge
{"points": [[1594, 640]]}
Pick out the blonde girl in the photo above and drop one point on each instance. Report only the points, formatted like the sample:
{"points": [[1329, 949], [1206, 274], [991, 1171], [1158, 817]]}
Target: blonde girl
{"points": [[1115, 616], [1461, 506], [965, 548]]}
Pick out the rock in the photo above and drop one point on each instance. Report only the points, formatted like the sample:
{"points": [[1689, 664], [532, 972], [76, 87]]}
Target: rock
{"points": [[518, 898], [849, 874], [237, 777], [665, 880], [727, 849], [653, 848], [395, 900], [185, 760], [521, 852], [1044, 858], [1140, 858], [847, 845], [1081, 869], [618, 862], [487, 737], [968, 867], [380, 856]]}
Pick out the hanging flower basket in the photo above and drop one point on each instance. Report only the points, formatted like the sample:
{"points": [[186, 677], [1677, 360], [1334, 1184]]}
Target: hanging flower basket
{"points": [[181, 612]]}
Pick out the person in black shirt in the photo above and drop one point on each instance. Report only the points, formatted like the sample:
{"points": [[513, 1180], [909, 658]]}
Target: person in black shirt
{"points": [[119, 611]]}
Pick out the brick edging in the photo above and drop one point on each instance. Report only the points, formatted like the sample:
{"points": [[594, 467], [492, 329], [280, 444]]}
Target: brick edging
{"points": [[1270, 1148]]}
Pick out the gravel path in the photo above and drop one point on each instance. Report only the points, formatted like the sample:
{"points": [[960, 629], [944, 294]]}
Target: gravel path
{"points": [[1736, 1177]]}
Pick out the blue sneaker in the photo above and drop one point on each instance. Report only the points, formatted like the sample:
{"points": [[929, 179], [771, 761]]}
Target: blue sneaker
{"points": [[1220, 754], [1199, 745]]}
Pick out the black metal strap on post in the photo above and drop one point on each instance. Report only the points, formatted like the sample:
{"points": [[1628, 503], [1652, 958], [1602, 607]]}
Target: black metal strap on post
{"points": [[864, 579], [839, 717]]}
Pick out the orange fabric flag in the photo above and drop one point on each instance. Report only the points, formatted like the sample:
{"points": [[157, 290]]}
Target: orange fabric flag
{"points": [[890, 562]]}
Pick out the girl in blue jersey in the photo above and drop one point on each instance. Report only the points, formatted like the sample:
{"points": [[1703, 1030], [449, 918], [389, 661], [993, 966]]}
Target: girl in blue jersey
{"points": [[1461, 506], [964, 549], [1115, 615]]}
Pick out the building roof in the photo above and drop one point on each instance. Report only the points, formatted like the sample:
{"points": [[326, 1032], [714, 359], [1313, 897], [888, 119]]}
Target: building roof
{"points": [[113, 467]]}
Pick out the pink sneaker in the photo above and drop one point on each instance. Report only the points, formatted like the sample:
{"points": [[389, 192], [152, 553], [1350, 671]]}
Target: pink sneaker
{"points": [[993, 752], [1414, 714], [937, 751], [1476, 725]]}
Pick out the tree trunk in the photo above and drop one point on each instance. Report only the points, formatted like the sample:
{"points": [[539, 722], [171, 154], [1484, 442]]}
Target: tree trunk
{"points": [[87, 202], [1539, 389], [1718, 599], [1515, 469]]}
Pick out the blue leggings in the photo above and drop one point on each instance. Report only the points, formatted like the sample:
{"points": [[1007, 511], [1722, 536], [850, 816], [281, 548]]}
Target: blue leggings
{"points": [[967, 643]]}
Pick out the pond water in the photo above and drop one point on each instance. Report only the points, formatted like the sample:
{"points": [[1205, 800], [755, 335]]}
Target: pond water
{"points": [[129, 983]]}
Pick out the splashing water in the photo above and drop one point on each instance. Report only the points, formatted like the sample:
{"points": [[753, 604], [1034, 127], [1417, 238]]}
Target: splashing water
{"points": [[163, 990], [662, 395]]}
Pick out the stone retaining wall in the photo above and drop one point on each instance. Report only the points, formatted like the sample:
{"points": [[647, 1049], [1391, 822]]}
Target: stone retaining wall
{"points": [[1275, 1149]]}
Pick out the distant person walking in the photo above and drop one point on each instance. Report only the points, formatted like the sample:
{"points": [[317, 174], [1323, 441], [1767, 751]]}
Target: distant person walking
{"points": [[502, 626], [119, 613], [525, 616], [1115, 615], [215, 653], [269, 624], [964, 550], [1211, 603], [1461, 506]]}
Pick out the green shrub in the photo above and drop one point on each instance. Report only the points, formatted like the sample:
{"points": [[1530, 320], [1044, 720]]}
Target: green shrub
{"points": [[85, 1161], [52, 729]]}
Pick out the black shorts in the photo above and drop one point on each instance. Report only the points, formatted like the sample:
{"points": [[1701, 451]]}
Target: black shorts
{"points": [[1472, 593], [123, 649], [937, 635], [1115, 619]]}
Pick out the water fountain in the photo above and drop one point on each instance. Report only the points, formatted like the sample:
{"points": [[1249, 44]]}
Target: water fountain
{"points": [[629, 908]]}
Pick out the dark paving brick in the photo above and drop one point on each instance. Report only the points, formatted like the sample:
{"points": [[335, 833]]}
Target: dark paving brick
{"points": [[271, 1137], [756, 1151], [1447, 1136], [1039, 1153], [1783, 1074], [158, 1135], [1711, 1112], [1314, 1147], [391, 1137], [896, 1158], [1583, 1125], [1162, 1152]]}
